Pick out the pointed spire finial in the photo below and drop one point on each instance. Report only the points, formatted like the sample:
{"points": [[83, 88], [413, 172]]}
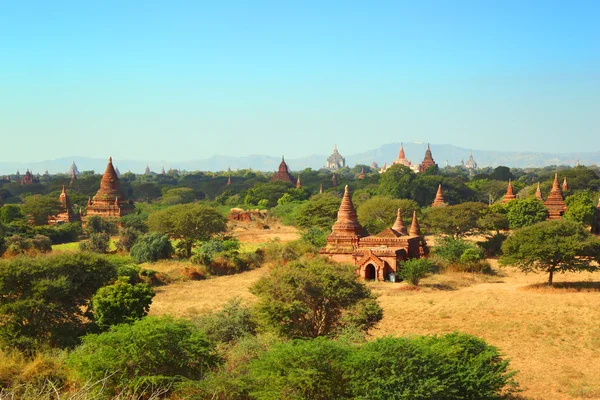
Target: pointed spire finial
{"points": [[399, 224], [415, 229]]}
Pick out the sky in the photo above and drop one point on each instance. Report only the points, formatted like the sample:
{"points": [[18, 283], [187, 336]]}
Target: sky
{"points": [[182, 80]]}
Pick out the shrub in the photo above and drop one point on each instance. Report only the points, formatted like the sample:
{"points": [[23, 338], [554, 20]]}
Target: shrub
{"points": [[16, 245], [301, 369], [441, 367], [121, 303], [310, 298], [492, 246], [97, 243], [41, 243], [315, 236], [96, 224], [209, 249], [151, 352], [415, 269], [64, 233], [229, 324], [131, 272], [44, 300], [450, 249], [127, 238], [152, 247]]}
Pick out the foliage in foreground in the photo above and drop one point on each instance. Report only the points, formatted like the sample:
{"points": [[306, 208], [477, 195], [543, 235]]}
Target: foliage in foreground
{"points": [[415, 269], [446, 367], [43, 301], [552, 246], [121, 303], [311, 298], [151, 352]]}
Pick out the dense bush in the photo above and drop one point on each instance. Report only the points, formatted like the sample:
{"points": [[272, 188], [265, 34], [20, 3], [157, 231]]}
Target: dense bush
{"points": [[127, 238], [151, 352], [18, 245], [121, 303], [459, 255], [44, 300], [96, 224], [315, 236], [301, 369], [64, 233], [152, 247], [492, 246], [229, 324], [97, 243], [414, 270], [311, 298], [454, 366]]}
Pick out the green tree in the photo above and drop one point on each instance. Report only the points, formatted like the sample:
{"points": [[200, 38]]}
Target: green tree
{"points": [[581, 208], [97, 224], [179, 196], [121, 303], [40, 208], [501, 173], [551, 246], [152, 351], [147, 191], [311, 298], [415, 269], [320, 211], [44, 300], [453, 366], [301, 369], [188, 223], [152, 247], [379, 212], [525, 212], [96, 243], [9, 213], [229, 324], [459, 220], [396, 182]]}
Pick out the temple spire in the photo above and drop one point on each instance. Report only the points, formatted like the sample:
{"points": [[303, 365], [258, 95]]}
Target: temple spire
{"points": [[229, 180], [538, 193], [298, 183], [439, 197], [362, 174], [415, 229], [555, 202], [399, 224], [565, 185], [321, 189], [509, 196]]}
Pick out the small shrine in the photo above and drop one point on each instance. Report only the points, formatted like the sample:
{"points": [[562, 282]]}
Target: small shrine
{"points": [[555, 202], [283, 174], [66, 213], [427, 160], [510, 195], [439, 198]]}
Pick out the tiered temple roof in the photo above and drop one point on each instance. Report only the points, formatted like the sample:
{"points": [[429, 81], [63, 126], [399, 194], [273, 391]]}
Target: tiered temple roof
{"points": [[399, 225], [509, 196], [283, 174], [66, 213], [471, 165], [439, 197], [346, 231], [335, 160], [538, 193], [109, 201], [427, 160], [555, 202], [402, 158]]}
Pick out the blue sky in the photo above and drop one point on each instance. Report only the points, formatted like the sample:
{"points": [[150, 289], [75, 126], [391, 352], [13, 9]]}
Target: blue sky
{"points": [[182, 80]]}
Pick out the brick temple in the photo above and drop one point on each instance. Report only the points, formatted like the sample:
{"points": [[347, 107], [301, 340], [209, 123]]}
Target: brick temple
{"points": [[427, 160], [109, 202], [66, 213], [283, 174], [375, 257]]}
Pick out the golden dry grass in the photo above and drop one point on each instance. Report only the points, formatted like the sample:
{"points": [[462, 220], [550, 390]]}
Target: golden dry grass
{"points": [[254, 232], [552, 336]]}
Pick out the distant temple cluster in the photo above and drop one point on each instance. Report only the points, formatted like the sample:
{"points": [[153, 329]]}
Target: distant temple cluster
{"points": [[555, 202], [375, 257]]}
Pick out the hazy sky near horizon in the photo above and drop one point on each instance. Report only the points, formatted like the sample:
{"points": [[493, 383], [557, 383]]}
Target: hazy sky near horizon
{"points": [[182, 80]]}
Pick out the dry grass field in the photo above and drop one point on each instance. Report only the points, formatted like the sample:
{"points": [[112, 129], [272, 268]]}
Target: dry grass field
{"points": [[552, 336]]}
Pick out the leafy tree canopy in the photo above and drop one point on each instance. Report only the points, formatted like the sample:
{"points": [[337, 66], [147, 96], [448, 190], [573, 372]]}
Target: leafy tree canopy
{"points": [[380, 212], [551, 246]]}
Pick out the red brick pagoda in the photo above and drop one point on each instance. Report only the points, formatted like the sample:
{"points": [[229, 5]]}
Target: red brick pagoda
{"points": [[109, 202], [538, 193], [283, 174], [375, 257], [66, 213], [555, 202], [509, 196], [427, 160], [402, 158], [439, 198]]}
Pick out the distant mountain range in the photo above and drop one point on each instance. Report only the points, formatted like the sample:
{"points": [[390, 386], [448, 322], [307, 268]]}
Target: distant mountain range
{"points": [[386, 153]]}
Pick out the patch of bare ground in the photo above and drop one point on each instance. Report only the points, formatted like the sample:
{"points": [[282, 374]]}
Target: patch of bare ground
{"points": [[551, 335], [263, 231]]}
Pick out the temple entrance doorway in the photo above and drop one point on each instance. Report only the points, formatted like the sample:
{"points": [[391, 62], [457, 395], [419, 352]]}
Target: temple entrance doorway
{"points": [[370, 272]]}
